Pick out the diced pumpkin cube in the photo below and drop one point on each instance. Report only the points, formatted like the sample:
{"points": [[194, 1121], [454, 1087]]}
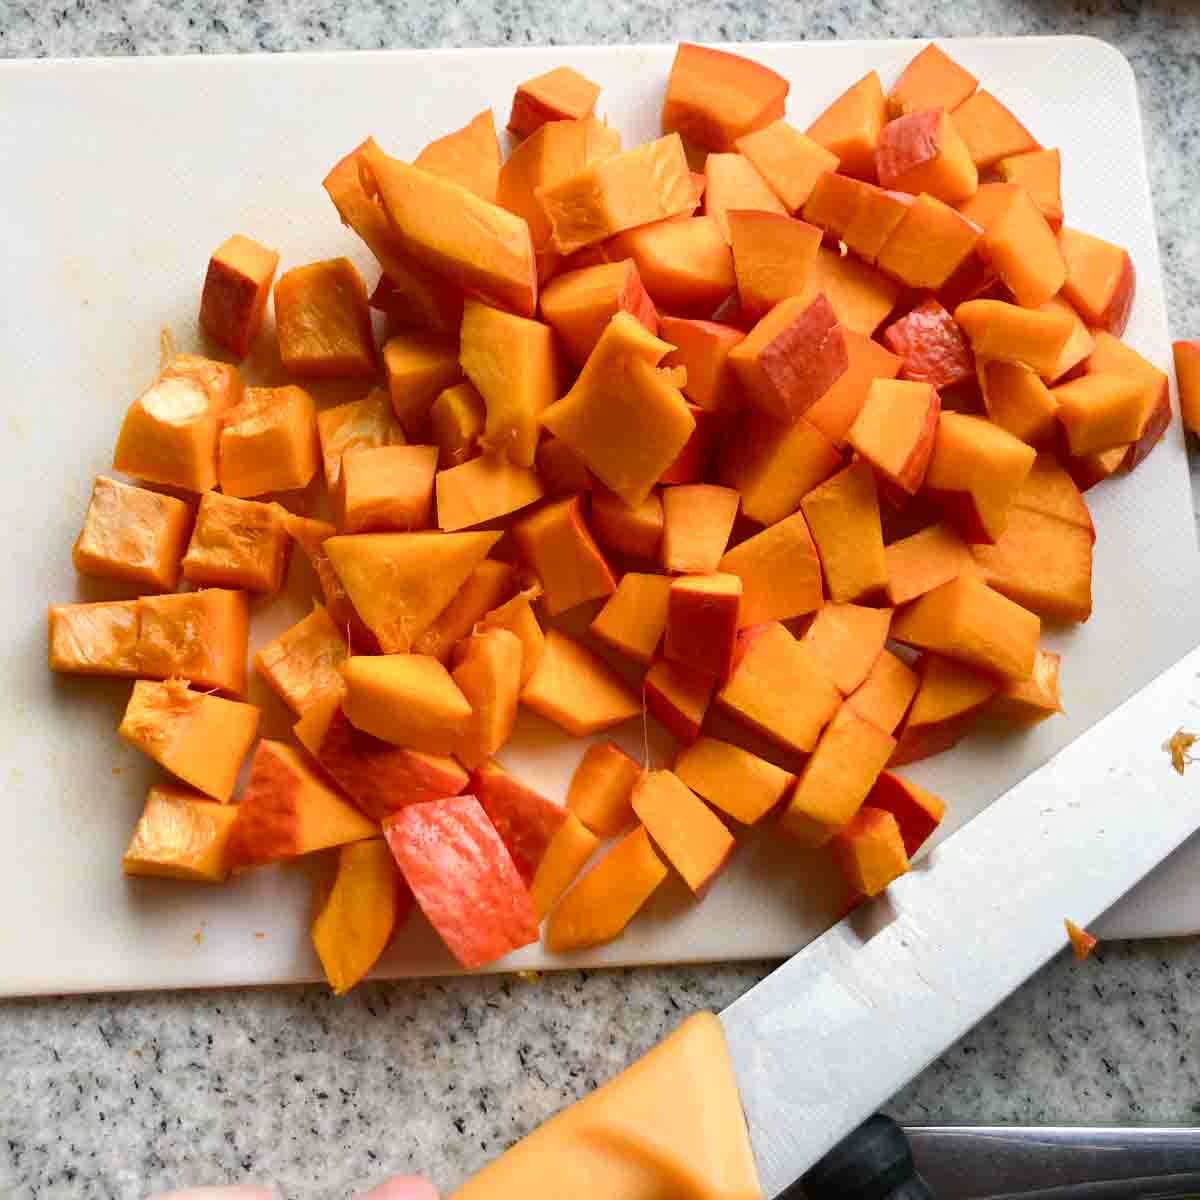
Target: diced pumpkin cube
{"points": [[579, 304], [487, 670], [895, 430], [1018, 401], [967, 621], [456, 420], [779, 688], [686, 265], [885, 694], [518, 616], [949, 698], [237, 544], [357, 911], [1043, 564], [577, 690], [678, 696], [837, 778], [381, 778], [1100, 280], [836, 411], [169, 435], [608, 897], [221, 380], [773, 255], [237, 286], [930, 244], [557, 546], [861, 297], [386, 488], [635, 532], [702, 622], [1187, 373], [198, 636], [634, 617], [406, 699], [181, 834], [790, 161], [931, 346], [419, 367], [714, 96], [923, 152], [323, 321], [302, 665], [875, 220], [923, 561], [791, 358], [94, 639], [408, 290], [702, 348], [850, 126], [565, 857], [737, 782], [469, 156], [773, 465], [636, 187], [601, 787], [1035, 337], [869, 852], [477, 246], [1100, 411], [400, 582], [846, 639], [525, 820], [1108, 355], [1031, 700], [834, 202], [692, 838], [918, 812], [843, 518], [990, 131], [932, 79], [200, 738], [975, 472], [132, 534], [482, 490], [1049, 489], [463, 879], [698, 519], [779, 570], [513, 363], [558, 95], [620, 389], [269, 442], [1040, 173], [732, 184]]}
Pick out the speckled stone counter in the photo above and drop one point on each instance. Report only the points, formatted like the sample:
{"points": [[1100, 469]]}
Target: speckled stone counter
{"points": [[121, 1096]]}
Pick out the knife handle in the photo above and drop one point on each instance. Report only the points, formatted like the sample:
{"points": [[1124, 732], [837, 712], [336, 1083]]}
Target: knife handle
{"points": [[873, 1163]]}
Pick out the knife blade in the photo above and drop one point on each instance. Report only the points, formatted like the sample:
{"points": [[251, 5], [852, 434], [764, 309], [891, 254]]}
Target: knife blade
{"points": [[843, 1025]]}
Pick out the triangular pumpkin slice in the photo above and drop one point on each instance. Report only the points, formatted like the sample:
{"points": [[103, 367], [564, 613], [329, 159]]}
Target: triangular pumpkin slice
{"points": [[287, 810], [400, 582], [469, 156]]}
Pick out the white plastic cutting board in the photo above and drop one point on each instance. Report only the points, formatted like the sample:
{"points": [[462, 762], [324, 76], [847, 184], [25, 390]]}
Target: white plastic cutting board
{"points": [[121, 176]]}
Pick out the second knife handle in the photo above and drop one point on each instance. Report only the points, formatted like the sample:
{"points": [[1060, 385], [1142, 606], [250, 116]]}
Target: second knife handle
{"points": [[872, 1163]]}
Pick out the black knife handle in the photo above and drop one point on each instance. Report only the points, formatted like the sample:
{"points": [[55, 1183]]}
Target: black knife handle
{"points": [[872, 1163]]}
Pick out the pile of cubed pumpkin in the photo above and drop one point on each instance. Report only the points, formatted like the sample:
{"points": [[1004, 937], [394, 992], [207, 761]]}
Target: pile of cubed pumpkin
{"points": [[807, 429]]}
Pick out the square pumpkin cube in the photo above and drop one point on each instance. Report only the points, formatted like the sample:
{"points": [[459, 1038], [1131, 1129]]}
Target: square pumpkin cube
{"points": [[269, 442], [323, 321], [237, 544], [236, 288], [358, 425], [94, 639], [133, 535], [197, 636]]}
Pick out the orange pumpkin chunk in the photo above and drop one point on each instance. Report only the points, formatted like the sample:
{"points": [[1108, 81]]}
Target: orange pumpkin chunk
{"points": [[419, 366], [302, 665], [357, 425], [181, 834], [236, 288], [323, 321], [469, 156], [790, 161], [990, 131], [850, 126], [198, 636], [601, 788], [237, 544], [269, 442], [931, 80], [558, 95], [133, 535], [387, 487], [576, 689], [94, 639]]}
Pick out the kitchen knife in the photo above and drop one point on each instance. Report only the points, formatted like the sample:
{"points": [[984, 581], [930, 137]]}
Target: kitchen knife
{"points": [[839, 1028]]}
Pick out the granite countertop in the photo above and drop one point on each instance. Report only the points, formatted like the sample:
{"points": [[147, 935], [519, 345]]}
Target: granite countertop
{"points": [[120, 1096]]}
